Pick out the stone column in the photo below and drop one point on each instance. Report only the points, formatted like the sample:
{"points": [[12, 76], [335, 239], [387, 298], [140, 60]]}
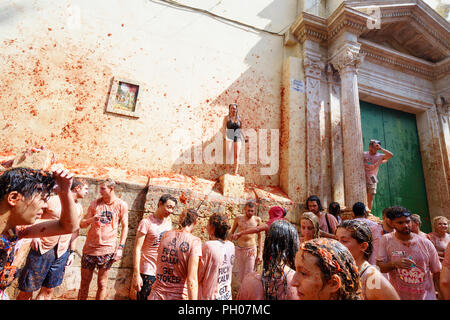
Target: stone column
{"points": [[313, 67], [443, 110], [336, 154], [347, 61], [433, 161]]}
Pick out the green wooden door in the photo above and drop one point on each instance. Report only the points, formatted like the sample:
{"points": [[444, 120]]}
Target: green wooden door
{"points": [[401, 180]]}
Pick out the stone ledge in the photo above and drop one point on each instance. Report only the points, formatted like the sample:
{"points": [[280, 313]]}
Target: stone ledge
{"points": [[232, 185]]}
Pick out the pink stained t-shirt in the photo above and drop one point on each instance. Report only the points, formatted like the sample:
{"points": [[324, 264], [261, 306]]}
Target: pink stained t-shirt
{"points": [[415, 283], [331, 220], [252, 288], [102, 235], [61, 242], [215, 270], [372, 164], [377, 232], [175, 250], [153, 230]]}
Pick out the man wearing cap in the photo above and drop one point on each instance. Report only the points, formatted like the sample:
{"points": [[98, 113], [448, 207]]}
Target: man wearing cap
{"points": [[372, 161]]}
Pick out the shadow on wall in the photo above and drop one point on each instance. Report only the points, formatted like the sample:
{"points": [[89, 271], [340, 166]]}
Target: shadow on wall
{"points": [[203, 148], [10, 11]]}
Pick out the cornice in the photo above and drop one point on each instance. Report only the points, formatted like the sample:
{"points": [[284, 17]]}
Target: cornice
{"points": [[348, 58], [437, 29], [311, 27], [403, 62], [349, 16], [348, 19]]}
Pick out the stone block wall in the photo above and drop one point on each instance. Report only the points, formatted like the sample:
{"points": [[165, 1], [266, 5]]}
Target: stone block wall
{"points": [[142, 201]]}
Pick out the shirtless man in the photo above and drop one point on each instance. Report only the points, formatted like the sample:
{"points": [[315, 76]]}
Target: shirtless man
{"points": [[275, 213], [372, 161], [247, 245]]}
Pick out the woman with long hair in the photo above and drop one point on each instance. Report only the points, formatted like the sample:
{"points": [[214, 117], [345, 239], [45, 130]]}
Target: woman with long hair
{"points": [[280, 247], [233, 135], [177, 263], [217, 260], [325, 270], [309, 227], [357, 237]]}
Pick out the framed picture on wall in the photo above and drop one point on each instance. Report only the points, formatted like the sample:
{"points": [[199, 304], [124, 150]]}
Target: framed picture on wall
{"points": [[124, 97]]}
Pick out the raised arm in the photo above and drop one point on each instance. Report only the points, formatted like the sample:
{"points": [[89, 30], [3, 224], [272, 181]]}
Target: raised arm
{"points": [[257, 229], [387, 154], [68, 222]]}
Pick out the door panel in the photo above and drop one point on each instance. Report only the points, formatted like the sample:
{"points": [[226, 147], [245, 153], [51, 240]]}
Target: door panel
{"points": [[401, 180]]}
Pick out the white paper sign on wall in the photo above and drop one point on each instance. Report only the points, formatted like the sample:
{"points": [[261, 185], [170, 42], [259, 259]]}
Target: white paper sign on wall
{"points": [[297, 85]]}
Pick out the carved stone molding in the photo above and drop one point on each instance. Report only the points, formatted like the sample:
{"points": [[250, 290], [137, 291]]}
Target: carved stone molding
{"points": [[348, 59], [313, 66], [442, 106], [403, 62], [311, 27], [349, 17], [331, 73], [415, 13], [345, 18]]}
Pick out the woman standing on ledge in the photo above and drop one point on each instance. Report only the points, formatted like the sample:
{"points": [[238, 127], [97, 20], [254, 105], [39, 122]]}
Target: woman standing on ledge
{"points": [[233, 136]]}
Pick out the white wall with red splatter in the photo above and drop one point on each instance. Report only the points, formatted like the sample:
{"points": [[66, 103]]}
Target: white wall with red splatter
{"points": [[59, 57]]}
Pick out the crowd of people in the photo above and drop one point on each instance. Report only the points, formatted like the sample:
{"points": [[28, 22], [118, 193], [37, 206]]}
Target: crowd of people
{"points": [[327, 257]]}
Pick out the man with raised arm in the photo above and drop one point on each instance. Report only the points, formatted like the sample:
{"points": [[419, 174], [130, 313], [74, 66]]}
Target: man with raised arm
{"points": [[23, 196], [372, 162]]}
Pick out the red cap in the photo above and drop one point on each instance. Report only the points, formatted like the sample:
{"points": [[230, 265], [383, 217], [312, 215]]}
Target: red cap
{"points": [[275, 213]]}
